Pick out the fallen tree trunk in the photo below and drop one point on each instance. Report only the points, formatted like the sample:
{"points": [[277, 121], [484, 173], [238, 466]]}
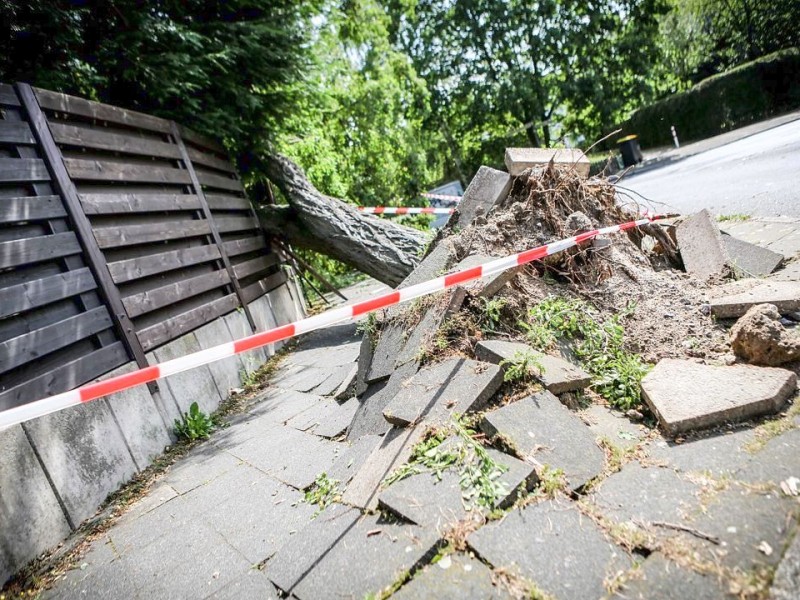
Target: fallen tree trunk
{"points": [[382, 249]]}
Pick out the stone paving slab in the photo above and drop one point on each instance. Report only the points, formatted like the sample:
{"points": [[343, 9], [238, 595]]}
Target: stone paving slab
{"points": [[559, 375], [487, 187], [543, 429], [455, 576], [606, 422], [519, 159], [425, 500], [334, 380], [685, 395], [301, 378], [777, 461], [717, 454], [488, 286], [393, 451], [334, 556], [436, 392], [787, 576], [384, 355], [658, 577], [351, 459], [253, 584], [750, 259], [701, 247], [551, 543], [785, 295], [369, 416], [337, 420]]}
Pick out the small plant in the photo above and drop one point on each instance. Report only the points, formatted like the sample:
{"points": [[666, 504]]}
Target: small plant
{"points": [[521, 367], [323, 492], [551, 481], [491, 316], [734, 217], [426, 456], [368, 327], [195, 424]]}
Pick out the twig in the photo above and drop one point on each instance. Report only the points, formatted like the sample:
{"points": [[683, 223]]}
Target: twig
{"points": [[695, 532]]}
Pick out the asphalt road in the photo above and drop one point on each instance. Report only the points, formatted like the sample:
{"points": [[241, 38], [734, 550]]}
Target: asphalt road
{"points": [[758, 175]]}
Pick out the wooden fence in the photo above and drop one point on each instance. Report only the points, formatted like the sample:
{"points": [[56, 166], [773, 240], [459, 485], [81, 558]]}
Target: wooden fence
{"points": [[119, 232]]}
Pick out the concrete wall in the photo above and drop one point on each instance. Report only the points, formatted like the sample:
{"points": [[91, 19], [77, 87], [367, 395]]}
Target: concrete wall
{"points": [[57, 470]]}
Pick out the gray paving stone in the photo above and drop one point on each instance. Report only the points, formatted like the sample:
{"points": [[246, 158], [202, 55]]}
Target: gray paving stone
{"points": [[338, 420], [156, 496], [553, 545], [253, 584], [487, 187], [311, 418], [436, 392], [519, 159], [31, 519], [328, 347], [701, 247], [458, 576], [384, 356], [559, 375], [488, 286], [646, 495], [750, 259], [394, 450], [352, 458], [194, 385], [787, 577], [660, 578], [291, 456], [606, 422], [783, 294], [334, 556], [85, 456], [789, 272], [226, 372], [347, 388], [365, 353], [301, 378], [685, 395], [777, 461], [717, 454], [189, 474], [369, 416], [332, 383], [425, 500], [435, 264], [541, 428]]}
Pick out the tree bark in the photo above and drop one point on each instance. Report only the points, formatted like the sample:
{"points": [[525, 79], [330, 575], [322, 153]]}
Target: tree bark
{"points": [[382, 249]]}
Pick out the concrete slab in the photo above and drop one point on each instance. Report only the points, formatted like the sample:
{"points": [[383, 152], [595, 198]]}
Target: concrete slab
{"points": [[139, 420], [436, 392], [555, 546], [285, 306], [85, 455], [777, 461], [194, 385], [456, 576], [435, 264], [394, 450], [659, 577], [787, 577], [227, 373], [239, 328], [337, 420], [750, 259], [352, 458], [606, 422], [384, 356], [365, 353], [559, 375], [369, 416], [701, 247], [783, 294], [300, 378], [347, 388], [334, 556], [544, 430], [519, 159], [487, 187], [31, 518], [309, 419], [685, 395], [719, 454], [790, 272], [335, 379], [488, 286]]}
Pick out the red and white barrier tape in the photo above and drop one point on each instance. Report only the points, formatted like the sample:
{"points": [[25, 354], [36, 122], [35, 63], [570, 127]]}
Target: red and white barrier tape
{"points": [[404, 210], [441, 197], [119, 383]]}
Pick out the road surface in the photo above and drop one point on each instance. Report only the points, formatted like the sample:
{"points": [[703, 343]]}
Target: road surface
{"points": [[758, 175]]}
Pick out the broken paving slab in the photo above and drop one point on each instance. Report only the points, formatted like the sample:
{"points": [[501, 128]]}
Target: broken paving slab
{"points": [[487, 187], [335, 555], [658, 577], [785, 295], [425, 499], [700, 244], [301, 378], [559, 375], [436, 392], [350, 460], [453, 576], [552, 544], [394, 451], [519, 159], [787, 576], [337, 420], [685, 395], [750, 259], [613, 425], [540, 428], [369, 415]]}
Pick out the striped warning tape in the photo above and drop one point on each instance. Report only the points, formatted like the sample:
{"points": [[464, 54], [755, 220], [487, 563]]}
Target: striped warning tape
{"points": [[404, 210], [119, 383], [441, 197]]}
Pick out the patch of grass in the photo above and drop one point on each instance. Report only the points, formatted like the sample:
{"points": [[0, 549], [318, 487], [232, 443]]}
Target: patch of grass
{"points": [[773, 428], [598, 344], [426, 457], [736, 217], [323, 492], [551, 481], [491, 315], [518, 587], [369, 326], [523, 366], [194, 425]]}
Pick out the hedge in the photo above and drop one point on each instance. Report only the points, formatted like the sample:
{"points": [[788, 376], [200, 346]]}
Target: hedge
{"points": [[748, 93]]}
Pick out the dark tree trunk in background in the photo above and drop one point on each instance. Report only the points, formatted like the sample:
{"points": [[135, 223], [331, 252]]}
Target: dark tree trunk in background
{"points": [[375, 246]]}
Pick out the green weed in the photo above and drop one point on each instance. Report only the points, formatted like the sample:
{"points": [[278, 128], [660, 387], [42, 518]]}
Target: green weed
{"points": [[491, 314], [522, 367], [194, 425], [324, 492], [733, 217]]}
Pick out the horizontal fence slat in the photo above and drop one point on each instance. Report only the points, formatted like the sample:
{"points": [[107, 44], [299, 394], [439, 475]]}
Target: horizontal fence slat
{"points": [[262, 286], [255, 265], [67, 376], [219, 182], [28, 347], [95, 110], [217, 202], [16, 132], [8, 97], [38, 292], [23, 169], [244, 245], [103, 170], [31, 208], [228, 224], [199, 139], [129, 235], [169, 329], [98, 139], [209, 160], [144, 302], [113, 204], [31, 250], [144, 266]]}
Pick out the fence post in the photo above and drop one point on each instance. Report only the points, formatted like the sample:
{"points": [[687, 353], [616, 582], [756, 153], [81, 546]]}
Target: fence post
{"points": [[198, 190], [83, 228]]}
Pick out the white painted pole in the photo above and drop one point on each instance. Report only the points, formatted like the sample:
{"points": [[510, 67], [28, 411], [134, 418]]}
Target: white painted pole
{"points": [[675, 136]]}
